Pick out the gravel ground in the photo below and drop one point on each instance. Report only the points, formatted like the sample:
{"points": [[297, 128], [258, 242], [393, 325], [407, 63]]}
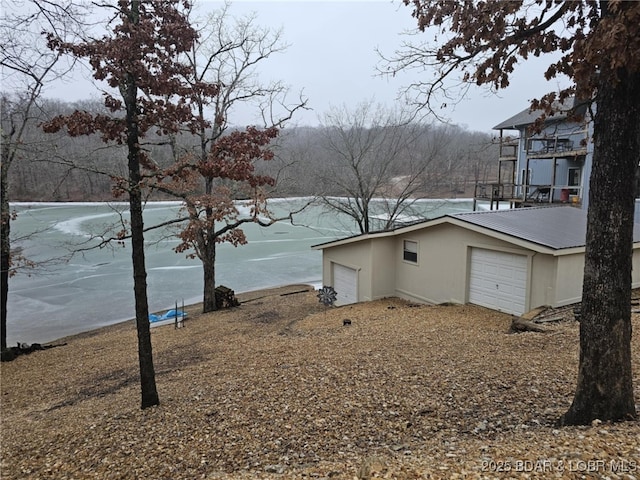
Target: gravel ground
{"points": [[280, 388]]}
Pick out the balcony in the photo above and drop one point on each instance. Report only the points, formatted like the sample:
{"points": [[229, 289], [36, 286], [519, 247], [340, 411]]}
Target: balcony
{"points": [[555, 158], [520, 195], [554, 147]]}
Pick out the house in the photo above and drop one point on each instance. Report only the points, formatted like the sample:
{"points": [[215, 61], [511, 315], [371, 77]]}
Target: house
{"points": [[511, 260], [552, 166]]}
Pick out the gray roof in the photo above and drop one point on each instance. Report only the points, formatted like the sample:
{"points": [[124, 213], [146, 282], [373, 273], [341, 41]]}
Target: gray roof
{"points": [[553, 227], [527, 116]]}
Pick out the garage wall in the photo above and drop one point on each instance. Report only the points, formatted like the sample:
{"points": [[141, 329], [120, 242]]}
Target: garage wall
{"points": [[569, 279], [442, 272], [543, 280], [443, 263], [635, 272], [375, 261], [384, 261], [355, 255], [570, 273], [440, 267]]}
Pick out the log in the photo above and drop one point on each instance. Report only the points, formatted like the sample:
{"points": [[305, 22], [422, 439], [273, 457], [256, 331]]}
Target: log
{"points": [[549, 319], [24, 349], [519, 324]]}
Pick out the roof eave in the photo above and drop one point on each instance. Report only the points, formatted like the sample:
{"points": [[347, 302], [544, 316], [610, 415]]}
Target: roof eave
{"points": [[385, 233]]}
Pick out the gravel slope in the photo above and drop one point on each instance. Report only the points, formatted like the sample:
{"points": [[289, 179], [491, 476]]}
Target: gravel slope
{"points": [[279, 388]]}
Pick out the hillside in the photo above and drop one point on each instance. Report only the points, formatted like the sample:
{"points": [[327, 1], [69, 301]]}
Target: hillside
{"points": [[279, 388]]}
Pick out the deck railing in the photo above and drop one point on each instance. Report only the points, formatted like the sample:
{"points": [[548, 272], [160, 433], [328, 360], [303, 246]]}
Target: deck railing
{"points": [[528, 194]]}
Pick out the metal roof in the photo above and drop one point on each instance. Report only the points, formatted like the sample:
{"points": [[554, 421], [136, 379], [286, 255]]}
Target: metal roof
{"points": [[553, 227]]}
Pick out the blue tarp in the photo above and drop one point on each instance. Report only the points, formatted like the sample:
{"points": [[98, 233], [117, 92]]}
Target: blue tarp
{"points": [[171, 314]]}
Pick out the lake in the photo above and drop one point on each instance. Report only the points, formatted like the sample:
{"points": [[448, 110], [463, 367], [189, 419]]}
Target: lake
{"points": [[95, 288]]}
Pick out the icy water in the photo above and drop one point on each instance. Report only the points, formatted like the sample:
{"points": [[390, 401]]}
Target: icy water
{"points": [[95, 288]]}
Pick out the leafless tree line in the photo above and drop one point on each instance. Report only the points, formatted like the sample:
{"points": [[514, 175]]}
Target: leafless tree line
{"points": [[395, 158]]}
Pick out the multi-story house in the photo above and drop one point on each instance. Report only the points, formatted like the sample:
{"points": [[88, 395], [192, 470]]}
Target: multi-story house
{"points": [[551, 166]]}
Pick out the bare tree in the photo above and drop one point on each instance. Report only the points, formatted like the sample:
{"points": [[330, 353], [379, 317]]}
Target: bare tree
{"points": [[61, 168], [296, 153], [468, 157], [374, 153], [27, 65]]}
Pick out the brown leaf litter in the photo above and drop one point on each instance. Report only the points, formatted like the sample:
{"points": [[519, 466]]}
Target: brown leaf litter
{"points": [[280, 388]]}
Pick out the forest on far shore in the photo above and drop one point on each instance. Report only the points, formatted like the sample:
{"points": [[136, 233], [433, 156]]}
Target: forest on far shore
{"points": [[307, 160]]}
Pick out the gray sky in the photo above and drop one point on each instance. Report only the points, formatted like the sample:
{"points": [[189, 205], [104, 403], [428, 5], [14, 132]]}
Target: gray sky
{"points": [[332, 57]]}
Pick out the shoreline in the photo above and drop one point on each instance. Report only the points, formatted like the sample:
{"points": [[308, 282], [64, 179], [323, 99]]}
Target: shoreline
{"points": [[193, 310], [94, 292], [46, 203]]}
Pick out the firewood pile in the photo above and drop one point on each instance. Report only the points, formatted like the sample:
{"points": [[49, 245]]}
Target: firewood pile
{"points": [[225, 298]]}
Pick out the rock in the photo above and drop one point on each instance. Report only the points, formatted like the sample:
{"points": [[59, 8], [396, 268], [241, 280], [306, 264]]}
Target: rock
{"points": [[279, 469]]}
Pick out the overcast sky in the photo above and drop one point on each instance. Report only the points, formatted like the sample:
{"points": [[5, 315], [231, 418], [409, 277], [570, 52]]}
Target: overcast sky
{"points": [[332, 57]]}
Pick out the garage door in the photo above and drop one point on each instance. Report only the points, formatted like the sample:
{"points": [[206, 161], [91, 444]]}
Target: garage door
{"points": [[498, 280], [345, 283]]}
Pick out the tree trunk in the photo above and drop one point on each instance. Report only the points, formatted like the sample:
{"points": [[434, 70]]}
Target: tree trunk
{"points": [[208, 246], [145, 352], [209, 270], [5, 243], [605, 389]]}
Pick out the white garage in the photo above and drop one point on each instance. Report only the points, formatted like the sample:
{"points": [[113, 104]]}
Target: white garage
{"points": [[345, 283], [498, 280], [508, 260]]}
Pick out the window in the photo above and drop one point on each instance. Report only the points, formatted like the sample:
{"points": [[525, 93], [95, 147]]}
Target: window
{"points": [[410, 251]]}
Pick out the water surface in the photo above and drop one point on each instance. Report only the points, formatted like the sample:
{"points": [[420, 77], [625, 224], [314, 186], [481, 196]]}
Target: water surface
{"points": [[95, 288]]}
